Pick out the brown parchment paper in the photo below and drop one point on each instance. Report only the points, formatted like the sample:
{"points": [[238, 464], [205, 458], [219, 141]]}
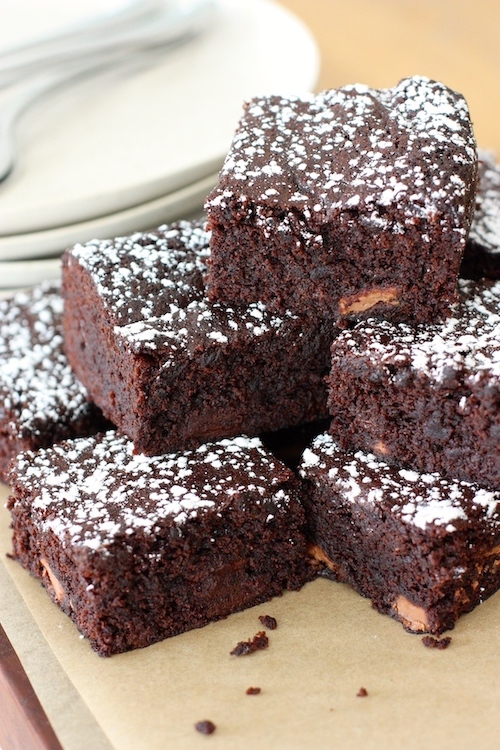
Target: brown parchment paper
{"points": [[328, 644]]}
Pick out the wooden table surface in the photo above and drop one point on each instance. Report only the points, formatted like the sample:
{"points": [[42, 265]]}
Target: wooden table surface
{"points": [[23, 723], [376, 42]]}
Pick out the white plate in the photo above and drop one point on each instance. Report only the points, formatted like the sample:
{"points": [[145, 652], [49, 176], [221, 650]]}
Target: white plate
{"points": [[21, 274], [96, 148], [16, 273]]}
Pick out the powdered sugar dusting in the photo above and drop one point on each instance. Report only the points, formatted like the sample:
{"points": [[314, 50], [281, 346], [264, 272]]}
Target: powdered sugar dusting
{"points": [[419, 499], [140, 276], [37, 386], [355, 147], [153, 286], [94, 491], [466, 345], [201, 324]]}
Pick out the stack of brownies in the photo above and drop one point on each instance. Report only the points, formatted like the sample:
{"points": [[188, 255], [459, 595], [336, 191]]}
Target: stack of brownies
{"points": [[323, 283]]}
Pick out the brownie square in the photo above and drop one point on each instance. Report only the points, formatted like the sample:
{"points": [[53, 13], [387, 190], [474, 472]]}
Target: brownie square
{"points": [[482, 251], [423, 548], [428, 396], [136, 549], [172, 370], [352, 201], [41, 401]]}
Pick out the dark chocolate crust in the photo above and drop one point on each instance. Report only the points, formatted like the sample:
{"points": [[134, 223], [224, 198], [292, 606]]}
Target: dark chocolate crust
{"points": [[137, 549], [424, 549], [350, 201], [41, 401], [172, 370], [482, 251], [427, 397]]}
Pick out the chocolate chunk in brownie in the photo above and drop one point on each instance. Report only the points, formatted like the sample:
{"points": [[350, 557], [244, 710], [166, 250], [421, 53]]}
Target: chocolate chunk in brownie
{"points": [[168, 367], [352, 201], [423, 548], [41, 401], [135, 549], [482, 252], [427, 396]]}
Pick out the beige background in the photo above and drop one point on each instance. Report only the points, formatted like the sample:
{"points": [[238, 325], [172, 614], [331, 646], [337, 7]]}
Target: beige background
{"points": [[377, 42]]}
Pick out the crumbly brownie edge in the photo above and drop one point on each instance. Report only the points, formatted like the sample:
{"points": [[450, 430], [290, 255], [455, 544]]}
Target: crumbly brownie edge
{"points": [[299, 275], [93, 352], [482, 251]]}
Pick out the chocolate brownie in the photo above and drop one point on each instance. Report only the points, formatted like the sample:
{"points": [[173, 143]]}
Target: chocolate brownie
{"points": [[427, 396], [482, 251], [135, 549], [172, 370], [350, 201], [423, 548], [41, 401]]}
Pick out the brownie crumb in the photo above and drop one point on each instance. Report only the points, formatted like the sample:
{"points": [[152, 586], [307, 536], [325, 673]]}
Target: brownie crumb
{"points": [[205, 727], [362, 692], [269, 622], [253, 691], [258, 642], [440, 643]]}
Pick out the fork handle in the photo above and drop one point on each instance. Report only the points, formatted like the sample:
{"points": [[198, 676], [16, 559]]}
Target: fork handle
{"points": [[154, 29]]}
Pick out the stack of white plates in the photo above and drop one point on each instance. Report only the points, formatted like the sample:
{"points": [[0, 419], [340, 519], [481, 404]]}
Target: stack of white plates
{"points": [[119, 153]]}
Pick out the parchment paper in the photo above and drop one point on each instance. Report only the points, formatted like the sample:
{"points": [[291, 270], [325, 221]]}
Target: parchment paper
{"points": [[328, 644]]}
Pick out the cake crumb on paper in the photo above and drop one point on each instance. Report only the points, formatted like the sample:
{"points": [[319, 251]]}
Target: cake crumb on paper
{"points": [[258, 642]]}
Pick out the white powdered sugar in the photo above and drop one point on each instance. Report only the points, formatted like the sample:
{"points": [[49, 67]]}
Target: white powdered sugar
{"points": [[201, 324], [355, 147], [95, 491], [37, 386], [153, 287], [415, 498], [137, 276], [467, 343]]}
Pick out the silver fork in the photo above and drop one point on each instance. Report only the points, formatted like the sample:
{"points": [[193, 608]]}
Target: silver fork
{"points": [[14, 62], [125, 50]]}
